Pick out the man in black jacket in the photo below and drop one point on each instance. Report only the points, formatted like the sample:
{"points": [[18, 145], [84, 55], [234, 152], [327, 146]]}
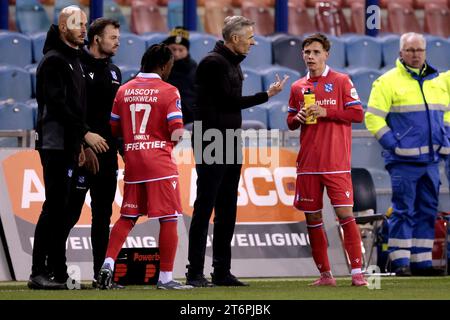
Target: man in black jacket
{"points": [[183, 71], [219, 104], [99, 174], [60, 131]]}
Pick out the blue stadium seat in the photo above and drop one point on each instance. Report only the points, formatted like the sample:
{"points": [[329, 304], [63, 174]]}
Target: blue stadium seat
{"points": [[252, 82], [130, 51], [15, 83], [32, 68], [260, 55], [154, 38], [278, 112], [112, 10], [363, 79], [128, 73], [15, 49], [31, 17], [287, 52], [390, 46], [438, 53], [269, 77], [32, 103], [336, 59], [38, 41], [363, 52], [175, 15], [258, 113], [200, 45], [15, 116]]}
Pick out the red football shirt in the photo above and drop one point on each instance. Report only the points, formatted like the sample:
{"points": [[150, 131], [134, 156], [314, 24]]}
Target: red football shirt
{"points": [[325, 147], [144, 111]]}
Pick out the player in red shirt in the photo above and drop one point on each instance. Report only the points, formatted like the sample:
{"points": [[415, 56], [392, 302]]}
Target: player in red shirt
{"points": [[324, 159], [147, 114]]}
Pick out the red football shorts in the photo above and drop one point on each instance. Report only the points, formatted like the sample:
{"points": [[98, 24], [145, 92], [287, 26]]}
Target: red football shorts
{"points": [[309, 191], [155, 199]]}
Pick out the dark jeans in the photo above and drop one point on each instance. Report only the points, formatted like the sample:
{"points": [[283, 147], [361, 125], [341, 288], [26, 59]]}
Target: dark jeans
{"points": [[49, 248], [102, 188], [217, 188]]}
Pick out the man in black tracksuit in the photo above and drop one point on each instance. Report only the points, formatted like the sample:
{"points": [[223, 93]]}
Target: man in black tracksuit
{"points": [[219, 103], [60, 131], [99, 174]]}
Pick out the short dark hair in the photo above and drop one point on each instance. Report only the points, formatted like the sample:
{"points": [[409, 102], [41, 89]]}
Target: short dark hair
{"points": [[158, 55], [317, 37], [98, 26]]}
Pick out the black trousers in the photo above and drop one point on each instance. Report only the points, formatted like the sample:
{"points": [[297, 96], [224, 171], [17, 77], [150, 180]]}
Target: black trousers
{"points": [[217, 188], [102, 188], [49, 248]]}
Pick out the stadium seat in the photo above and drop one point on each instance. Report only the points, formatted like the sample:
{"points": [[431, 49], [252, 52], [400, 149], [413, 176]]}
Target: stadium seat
{"points": [[260, 55], [390, 46], [215, 14], [32, 68], [15, 49], [277, 114], [130, 51], [287, 52], [330, 18], [146, 17], [438, 53], [402, 18], [112, 10], [15, 116], [384, 3], [31, 17], [128, 73], [154, 38], [269, 76], [38, 41], [299, 21], [32, 103], [437, 19], [264, 21], [363, 51], [362, 80], [421, 4], [175, 14], [258, 113], [200, 45], [337, 57], [252, 82], [313, 3], [358, 17], [15, 83]]}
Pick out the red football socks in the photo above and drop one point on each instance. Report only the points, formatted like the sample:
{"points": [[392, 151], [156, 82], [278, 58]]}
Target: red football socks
{"points": [[119, 233], [168, 241], [352, 241], [319, 244]]}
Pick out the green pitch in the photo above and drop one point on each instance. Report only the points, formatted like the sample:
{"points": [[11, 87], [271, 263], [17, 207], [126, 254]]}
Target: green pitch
{"points": [[436, 288]]}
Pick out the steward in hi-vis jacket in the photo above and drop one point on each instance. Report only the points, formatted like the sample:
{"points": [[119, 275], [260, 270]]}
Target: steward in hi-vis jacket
{"points": [[408, 112]]}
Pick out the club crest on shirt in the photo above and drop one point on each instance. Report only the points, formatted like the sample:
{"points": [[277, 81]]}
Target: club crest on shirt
{"points": [[113, 74], [328, 87]]}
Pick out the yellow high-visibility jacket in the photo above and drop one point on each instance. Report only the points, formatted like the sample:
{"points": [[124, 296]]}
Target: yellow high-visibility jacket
{"points": [[406, 113]]}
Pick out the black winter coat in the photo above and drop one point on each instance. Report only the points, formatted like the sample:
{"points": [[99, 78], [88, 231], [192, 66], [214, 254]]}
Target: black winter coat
{"points": [[182, 77], [61, 97], [103, 79], [219, 97]]}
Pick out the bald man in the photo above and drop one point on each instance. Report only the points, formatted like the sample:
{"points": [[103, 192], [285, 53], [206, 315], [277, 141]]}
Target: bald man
{"points": [[61, 132]]}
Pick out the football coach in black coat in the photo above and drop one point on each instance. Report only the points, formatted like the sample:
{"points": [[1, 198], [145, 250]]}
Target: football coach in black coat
{"points": [[61, 130], [219, 103]]}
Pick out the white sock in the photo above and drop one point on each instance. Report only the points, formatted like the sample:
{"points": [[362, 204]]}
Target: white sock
{"points": [[110, 261], [165, 276], [356, 271]]}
